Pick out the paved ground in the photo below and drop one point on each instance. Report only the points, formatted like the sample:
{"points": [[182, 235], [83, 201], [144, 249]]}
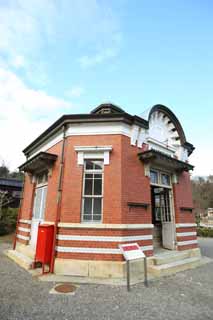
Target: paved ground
{"points": [[187, 295]]}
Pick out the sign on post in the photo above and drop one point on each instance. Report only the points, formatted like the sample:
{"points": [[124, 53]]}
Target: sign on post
{"points": [[132, 251]]}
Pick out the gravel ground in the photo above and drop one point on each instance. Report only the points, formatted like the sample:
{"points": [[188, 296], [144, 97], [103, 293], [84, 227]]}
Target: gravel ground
{"points": [[186, 295]]}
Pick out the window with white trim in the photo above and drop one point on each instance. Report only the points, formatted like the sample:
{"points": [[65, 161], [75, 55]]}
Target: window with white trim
{"points": [[160, 178], [92, 196], [40, 196]]}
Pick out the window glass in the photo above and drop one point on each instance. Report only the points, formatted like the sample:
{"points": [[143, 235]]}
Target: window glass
{"points": [[165, 179], [97, 206], [89, 165], [92, 192], [153, 176], [88, 186], [97, 186], [37, 203], [94, 165]]}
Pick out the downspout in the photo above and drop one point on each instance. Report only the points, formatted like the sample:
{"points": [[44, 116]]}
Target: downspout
{"points": [[59, 194], [19, 214]]}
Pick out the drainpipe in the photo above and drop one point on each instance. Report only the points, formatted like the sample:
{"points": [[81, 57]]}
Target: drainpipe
{"points": [[59, 194], [19, 214]]}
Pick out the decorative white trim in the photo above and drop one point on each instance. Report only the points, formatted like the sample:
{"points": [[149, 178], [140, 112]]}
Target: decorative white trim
{"points": [[155, 144], [93, 148], [142, 135], [24, 229], [85, 129], [185, 243], [96, 250], [91, 152], [102, 128], [134, 134], [104, 226], [185, 225], [22, 237], [186, 234], [25, 221], [104, 238]]}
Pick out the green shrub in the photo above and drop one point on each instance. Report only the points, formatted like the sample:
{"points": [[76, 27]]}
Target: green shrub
{"points": [[8, 220], [205, 232]]}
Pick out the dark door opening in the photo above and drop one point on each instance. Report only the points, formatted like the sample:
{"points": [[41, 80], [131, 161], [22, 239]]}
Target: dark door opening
{"points": [[161, 212]]}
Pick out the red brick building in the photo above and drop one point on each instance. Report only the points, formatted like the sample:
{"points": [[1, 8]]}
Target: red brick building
{"points": [[107, 178]]}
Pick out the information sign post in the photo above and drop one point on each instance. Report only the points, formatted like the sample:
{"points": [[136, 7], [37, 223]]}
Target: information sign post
{"points": [[132, 251]]}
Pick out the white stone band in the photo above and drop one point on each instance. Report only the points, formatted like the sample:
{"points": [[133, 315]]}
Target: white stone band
{"points": [[22, 237], [185, 243], [25, 221], [104, 226], [186, 234], [24, 229], [96, 250], [103, 238], [185, 225]]}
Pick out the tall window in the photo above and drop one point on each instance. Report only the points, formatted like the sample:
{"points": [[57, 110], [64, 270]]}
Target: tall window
{"points": [[92, 191], [40, 196]]}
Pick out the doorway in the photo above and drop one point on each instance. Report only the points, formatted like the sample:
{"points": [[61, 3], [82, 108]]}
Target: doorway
{"points": [[38, 207], [162, 212]]}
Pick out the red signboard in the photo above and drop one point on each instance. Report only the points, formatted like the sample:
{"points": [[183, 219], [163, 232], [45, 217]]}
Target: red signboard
{"points": [[132, 251]]}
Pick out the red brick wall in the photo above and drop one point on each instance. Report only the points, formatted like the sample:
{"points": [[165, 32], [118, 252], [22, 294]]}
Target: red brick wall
{"points": [[135, 185], [73, 175], [183, 198], [27, 198]]}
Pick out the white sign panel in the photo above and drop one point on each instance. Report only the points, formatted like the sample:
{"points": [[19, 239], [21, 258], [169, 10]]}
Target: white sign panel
{"points": [[131, 251]]}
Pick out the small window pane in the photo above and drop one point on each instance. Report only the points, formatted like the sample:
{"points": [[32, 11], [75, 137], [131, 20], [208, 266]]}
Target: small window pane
{"points": [[87, 206], [97, 217], [89, 176], [37, 203], [153, 176], [165, 179], [43, 204], [88, 187], [97, 186], [97, 206], [88, 217], [98, 165], [89, 165], [98, 176]]}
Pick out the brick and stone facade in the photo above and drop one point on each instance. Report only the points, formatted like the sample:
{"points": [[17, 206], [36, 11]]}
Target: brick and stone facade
{"points": [[128, 147]]}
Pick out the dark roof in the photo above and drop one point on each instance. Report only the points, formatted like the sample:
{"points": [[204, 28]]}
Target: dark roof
{"points": [[41, 161], [110, 107], [156, 157], [11, 182]]}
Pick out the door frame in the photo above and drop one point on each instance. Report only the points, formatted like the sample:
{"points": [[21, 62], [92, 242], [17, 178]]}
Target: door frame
{"points": [[171, 199], [36, 221]]}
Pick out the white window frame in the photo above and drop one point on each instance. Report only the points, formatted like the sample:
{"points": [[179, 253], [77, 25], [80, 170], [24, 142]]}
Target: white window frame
{"points": [[93, 152], [92, 171], [44, 186], [159, 175]]}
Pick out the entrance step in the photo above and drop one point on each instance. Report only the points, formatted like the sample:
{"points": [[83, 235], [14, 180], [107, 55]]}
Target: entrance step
{"points": [[175, 266], [26, 250], [22, 260], [169, 257]]}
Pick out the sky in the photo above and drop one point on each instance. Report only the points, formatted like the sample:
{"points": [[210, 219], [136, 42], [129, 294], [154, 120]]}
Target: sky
{"points": [[68, 56]]}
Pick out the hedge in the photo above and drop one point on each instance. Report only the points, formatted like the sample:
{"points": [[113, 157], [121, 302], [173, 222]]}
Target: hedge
{"points": [[8, 220], [205, 232]]}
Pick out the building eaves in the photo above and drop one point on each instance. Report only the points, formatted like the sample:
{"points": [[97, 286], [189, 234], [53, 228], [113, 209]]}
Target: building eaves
{"points": [[84, 118]]}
